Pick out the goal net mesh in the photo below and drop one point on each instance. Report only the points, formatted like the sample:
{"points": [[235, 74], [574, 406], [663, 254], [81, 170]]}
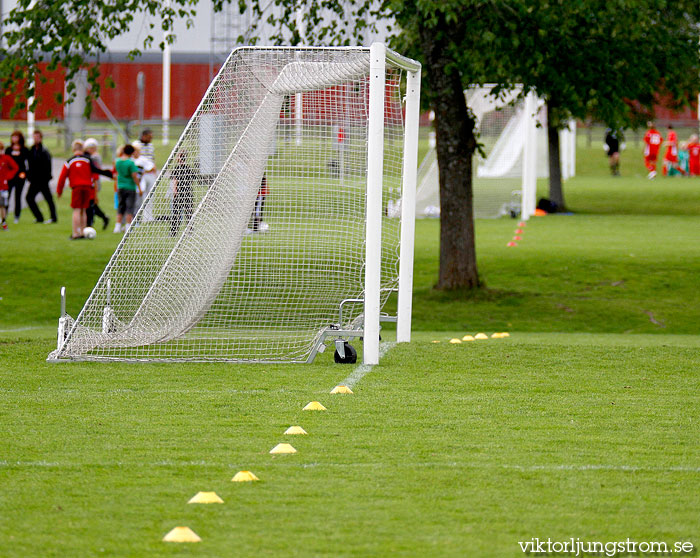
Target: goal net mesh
{"points": [[497, 180], [254, 231]]}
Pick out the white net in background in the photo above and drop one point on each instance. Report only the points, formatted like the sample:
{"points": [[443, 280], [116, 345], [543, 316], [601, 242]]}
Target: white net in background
{"points": [[255, 229], [497, 181]]}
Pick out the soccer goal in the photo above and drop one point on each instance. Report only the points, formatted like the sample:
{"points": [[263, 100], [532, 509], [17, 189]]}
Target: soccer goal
{"points": [[266, 236], [512, 131]]}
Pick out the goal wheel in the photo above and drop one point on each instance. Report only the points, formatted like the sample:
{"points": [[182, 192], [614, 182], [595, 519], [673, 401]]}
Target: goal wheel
{"points": [[350, 355]]}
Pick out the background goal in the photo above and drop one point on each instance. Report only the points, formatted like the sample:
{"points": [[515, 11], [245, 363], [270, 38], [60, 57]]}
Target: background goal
{"points": [[513, 132]]}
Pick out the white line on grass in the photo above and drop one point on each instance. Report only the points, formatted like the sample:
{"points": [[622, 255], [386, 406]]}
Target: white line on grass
{"points": [[21, 329], [374, 465], [364, 369]]}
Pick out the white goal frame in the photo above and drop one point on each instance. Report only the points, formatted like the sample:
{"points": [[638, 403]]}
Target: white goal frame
{"points": [[373, 295]]}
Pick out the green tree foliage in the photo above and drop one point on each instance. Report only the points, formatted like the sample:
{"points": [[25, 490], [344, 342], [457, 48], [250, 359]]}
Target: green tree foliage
{"points": [[609, 59], [65, 33]]}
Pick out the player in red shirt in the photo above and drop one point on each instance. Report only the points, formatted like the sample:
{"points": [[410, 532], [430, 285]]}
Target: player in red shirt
{"points": [[694, 155], [8, 169], [78, 170], [652, 144], [671, 155]]}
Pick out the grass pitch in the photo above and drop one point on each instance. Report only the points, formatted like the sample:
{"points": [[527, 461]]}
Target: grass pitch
{"points": [[582, 424]]}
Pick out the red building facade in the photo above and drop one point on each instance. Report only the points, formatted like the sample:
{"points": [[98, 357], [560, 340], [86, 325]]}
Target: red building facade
{"points": [[188, 82]]}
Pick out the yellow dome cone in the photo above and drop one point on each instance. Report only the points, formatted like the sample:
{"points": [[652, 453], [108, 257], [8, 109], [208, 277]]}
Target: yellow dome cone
{"points": [[505, 334], [283, 448], [293, 430], [468, 338], [496, 336], [455, 341], [182, 534], [244, 476], [341, 389], [481, 336], [435, 341], [205, 498], [314, 406]]}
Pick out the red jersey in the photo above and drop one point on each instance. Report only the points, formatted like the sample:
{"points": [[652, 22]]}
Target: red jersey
{"points": [[8, 169], [652, 141], [672, 149], [78, 170], [694, 158]]}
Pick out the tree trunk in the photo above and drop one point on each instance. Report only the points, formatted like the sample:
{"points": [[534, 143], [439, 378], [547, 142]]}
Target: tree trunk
{"points": [[556, 191], [455, 146]]}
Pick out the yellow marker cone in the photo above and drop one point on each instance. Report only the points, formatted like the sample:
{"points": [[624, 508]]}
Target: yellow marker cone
{"points": [[505, 334], [244, 476], [496, 336], [435, 341], [481, 336], [341, 389], [182, 534], [283, 448], [292, 430], [205, 498], [314, 406], [468, 338], [455, 341]]}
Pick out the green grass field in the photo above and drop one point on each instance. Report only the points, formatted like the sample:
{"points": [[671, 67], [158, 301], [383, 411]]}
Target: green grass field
{"points": [[583, 424]]}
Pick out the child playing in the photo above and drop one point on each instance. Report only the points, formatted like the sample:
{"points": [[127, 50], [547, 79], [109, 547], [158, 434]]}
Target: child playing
{"points": [[671, 166], [78, 170], [147, 176], [694, 155], [652, 144], [91, 146], [127, 186], [683, 158], [8, 169]]}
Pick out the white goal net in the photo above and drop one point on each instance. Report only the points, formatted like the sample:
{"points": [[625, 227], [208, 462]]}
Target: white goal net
{"points": [[514, 137], [256, 229]]}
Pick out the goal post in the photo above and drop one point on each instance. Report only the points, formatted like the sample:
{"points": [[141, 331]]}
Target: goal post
{"points": [[511, 127], [375, 174], [265, 238], [408, 207]]}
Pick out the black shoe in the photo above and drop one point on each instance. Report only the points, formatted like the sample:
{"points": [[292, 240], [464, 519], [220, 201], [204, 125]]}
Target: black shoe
{"points": [[106, 223], [37, 222]]}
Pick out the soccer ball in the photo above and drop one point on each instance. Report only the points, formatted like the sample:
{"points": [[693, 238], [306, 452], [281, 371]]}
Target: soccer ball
{"points": [[89, 232]]}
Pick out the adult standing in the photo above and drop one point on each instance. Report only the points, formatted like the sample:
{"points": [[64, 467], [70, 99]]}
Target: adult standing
{"points": [[39, 175], [612, 146], [147, 148], [18, 151]]}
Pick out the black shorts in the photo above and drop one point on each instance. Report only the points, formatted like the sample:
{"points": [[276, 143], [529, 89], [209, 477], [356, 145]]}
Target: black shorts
{"points": [[127, 201]]}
